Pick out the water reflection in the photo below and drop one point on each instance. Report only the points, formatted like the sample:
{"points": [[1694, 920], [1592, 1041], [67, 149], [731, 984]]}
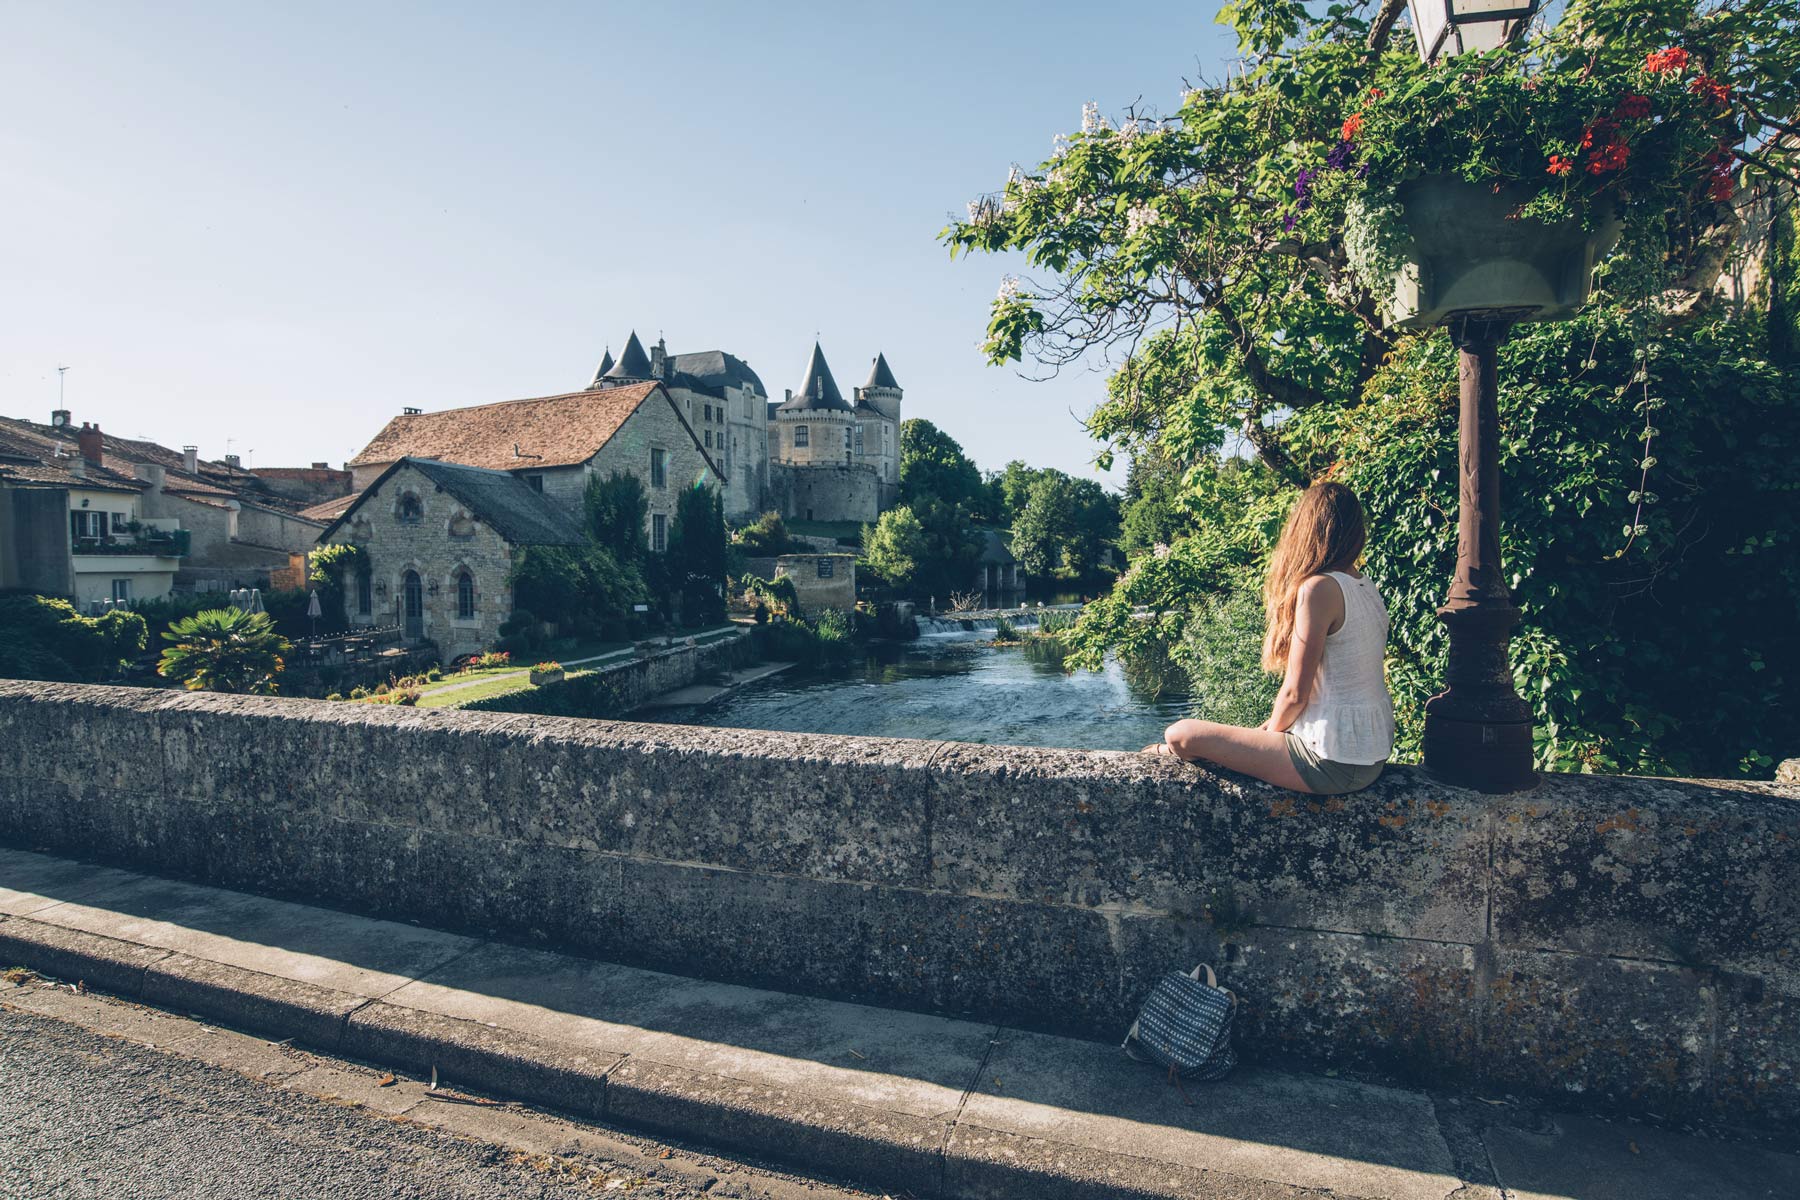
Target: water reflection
{"points": [[958, 687]]}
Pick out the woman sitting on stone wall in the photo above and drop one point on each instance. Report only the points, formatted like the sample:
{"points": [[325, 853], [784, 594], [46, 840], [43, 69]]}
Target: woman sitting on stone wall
{"points": [[1332, 727]]}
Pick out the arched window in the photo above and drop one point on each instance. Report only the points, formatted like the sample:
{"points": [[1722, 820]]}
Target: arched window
{"points": [[365, 594], [465, 596], [411, 511]]}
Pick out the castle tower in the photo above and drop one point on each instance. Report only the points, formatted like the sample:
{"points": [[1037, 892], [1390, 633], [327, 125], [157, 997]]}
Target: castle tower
{"points": [[878, 427], [883, 391], [815, 424], [606, 364], [633, 365]]}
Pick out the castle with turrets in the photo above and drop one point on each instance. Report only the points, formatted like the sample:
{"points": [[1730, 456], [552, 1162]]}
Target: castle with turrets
{"points": [[812, 455]]}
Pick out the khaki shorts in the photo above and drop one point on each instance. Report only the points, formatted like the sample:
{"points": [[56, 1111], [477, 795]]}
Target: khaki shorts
{"points": [[1328, 778]]}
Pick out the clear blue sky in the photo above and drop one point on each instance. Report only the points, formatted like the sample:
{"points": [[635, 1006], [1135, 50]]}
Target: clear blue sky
{"points": [[279, 224]]}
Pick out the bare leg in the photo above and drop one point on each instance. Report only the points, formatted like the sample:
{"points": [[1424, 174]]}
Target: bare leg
{"points": [[1255, 752]]}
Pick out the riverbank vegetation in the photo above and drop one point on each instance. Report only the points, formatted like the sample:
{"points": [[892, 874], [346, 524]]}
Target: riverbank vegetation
{"points": [[1232, 254]]}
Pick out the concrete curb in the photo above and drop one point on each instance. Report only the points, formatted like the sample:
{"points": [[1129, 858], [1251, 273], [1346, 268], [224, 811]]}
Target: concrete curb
{"points": [[869, 1145]]}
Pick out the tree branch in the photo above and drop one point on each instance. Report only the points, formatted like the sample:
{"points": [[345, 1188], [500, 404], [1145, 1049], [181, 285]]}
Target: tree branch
{"points": [[1383, 25]]}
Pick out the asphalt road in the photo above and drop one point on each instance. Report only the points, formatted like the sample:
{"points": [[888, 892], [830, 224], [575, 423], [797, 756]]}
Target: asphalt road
{"points": [[84, 1116]]}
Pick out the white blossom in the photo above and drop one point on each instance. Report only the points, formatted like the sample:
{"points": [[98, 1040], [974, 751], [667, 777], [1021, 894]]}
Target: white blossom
{"points": [[1140, 217], [1129, 129], [1161, 550], [1091, 120]]}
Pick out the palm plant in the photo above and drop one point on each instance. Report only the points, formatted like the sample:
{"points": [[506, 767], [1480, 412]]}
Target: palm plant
{"points": [[224, 650]]}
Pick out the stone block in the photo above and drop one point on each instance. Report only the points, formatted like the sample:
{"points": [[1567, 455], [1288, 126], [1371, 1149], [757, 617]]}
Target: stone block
{"points": [[107, 739], [1660, 869], [1393, 1005], [1044, 967], [1614, 1032], [1405, 858], [824, 807], [1755, 1075]]}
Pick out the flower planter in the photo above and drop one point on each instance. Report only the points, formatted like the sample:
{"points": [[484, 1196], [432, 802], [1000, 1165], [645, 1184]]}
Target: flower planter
{"points": [[1467, 252], [539, 678]]}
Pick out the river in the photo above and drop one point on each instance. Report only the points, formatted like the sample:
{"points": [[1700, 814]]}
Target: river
{"points": [[952, 685]]}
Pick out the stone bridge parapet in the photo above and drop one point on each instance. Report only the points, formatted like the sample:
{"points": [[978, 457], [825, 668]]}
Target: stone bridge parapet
{"points": [[1615, 942]]}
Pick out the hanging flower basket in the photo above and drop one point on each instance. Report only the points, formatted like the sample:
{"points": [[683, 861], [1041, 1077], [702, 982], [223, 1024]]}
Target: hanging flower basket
{"points": [[1465, 247]]}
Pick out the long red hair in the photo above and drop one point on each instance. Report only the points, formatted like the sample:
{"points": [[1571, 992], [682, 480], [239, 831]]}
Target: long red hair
{"points": [[1325, 532]]}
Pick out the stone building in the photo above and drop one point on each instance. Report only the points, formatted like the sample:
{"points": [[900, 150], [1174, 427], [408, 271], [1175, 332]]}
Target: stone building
{"points": [[724, 402], [820, 581], [832, 459], [812, 455], [440, 540], [555, 444]]}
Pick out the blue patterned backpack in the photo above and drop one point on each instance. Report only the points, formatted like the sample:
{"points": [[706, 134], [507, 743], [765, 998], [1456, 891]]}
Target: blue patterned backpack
{"points": [[1185, 1026]]}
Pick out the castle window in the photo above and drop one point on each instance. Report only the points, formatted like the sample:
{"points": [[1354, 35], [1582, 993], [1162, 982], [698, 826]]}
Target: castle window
{"points": [[800, 437], [659, 468], [411, 511], [709, 439], [659, 532], [859, 437], [465, 596], [709, 413]]}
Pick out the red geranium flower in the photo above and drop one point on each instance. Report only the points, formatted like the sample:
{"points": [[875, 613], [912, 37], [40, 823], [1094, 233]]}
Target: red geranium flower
{"points": [[1610, 157], [1597, 134], [1712, 89], [1376, 93], [1352, 126], [1559, 165], [1664, 62], [1721, 187], [1633, 108]]}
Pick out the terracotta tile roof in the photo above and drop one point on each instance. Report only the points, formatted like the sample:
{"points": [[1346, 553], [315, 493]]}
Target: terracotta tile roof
{"points": [[29, 457], [548, 431]]}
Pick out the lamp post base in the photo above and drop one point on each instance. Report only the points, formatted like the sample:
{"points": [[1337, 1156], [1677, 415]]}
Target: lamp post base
{"points": [[1478, 729]]}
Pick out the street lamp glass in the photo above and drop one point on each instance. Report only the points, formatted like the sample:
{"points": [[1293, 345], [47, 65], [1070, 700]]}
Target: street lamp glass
{"points": [[1449, 27]]}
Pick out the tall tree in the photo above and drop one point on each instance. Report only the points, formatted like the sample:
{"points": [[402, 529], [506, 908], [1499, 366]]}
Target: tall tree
{"points": [[934, 467], [616, 513], [695, 565], [894, 546]]}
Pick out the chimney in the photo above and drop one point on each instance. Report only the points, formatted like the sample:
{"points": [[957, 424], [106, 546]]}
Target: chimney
{"points": [[89, 439], [321, 466], [409, 411], [232, 460], [190, 459], [659, 358], [59, 418]]}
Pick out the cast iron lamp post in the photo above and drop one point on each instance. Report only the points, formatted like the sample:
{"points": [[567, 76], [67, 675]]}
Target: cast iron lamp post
{"points": [[1477, 284]]}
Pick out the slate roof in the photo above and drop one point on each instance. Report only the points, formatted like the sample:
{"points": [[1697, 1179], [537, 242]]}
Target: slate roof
{"points": [[633, 362], [818, 391], [715, 370], [501, 501], [880, 375], [331, 510], [994, 548], [560, 431]]}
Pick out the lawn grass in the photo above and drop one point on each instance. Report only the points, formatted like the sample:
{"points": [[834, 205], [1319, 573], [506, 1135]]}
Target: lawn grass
{"points": [[843, 531]]}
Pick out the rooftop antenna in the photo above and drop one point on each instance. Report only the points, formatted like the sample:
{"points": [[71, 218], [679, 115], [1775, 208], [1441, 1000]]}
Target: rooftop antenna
{"points": [[60, 373]]}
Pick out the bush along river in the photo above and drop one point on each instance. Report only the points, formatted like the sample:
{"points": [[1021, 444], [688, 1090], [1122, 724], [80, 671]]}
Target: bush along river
{"points": [[953, 684]]}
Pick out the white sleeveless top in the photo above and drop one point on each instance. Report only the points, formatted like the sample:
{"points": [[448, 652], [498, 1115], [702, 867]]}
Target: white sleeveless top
{"points": [[1350, 717]]}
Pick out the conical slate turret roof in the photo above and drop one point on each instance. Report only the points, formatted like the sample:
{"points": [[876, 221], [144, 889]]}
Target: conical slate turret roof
{"points": [[880, 375], [606, 364], [819, 390], [633, 362]]}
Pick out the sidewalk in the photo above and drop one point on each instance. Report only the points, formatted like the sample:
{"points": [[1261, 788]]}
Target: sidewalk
{"points": [[920, 1104]]}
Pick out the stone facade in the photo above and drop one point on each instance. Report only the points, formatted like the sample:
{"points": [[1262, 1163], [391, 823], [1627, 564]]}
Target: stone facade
{"points": [[825, 493], [1602, 941], [657, 427], [437, 544], [821, 581]]}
